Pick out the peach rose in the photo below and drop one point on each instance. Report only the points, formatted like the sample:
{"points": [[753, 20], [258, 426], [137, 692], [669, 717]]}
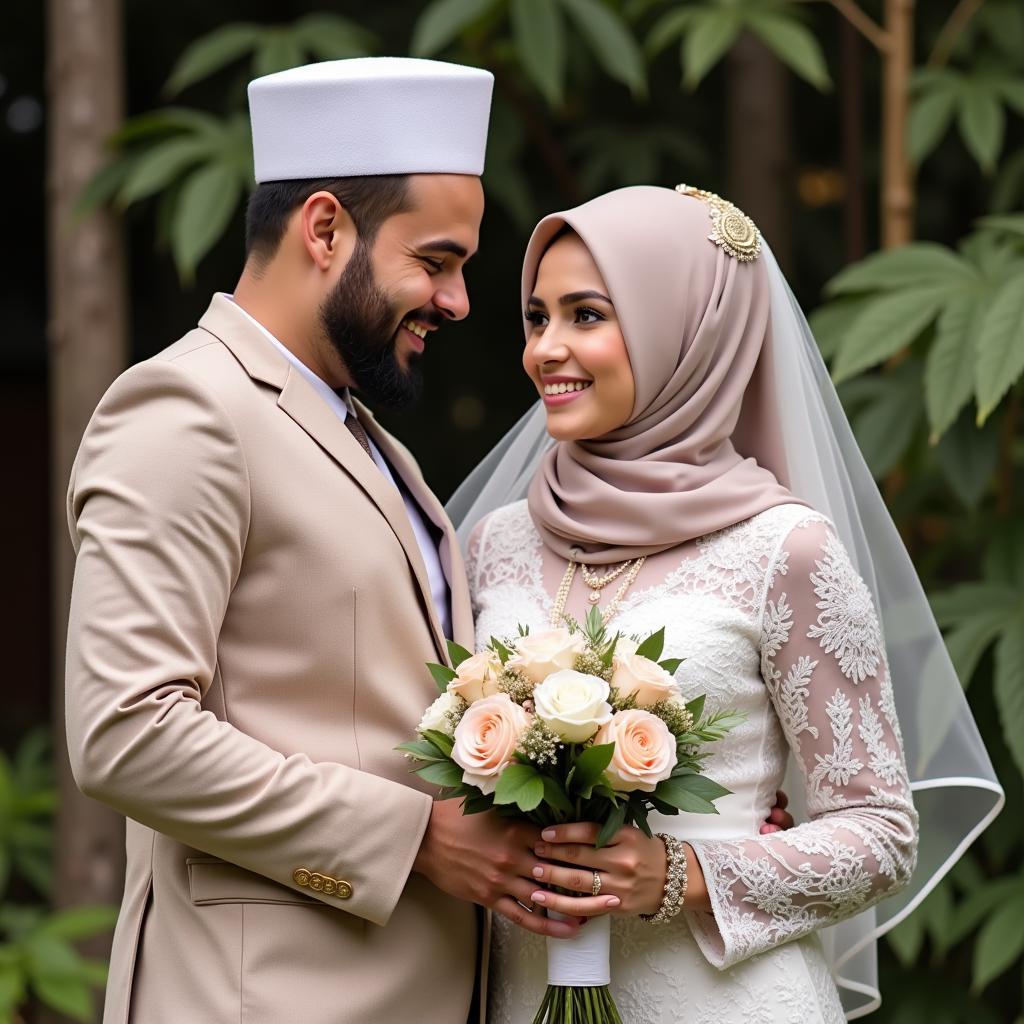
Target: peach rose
{"points": [[538, 655], [645, 750], [642, 678], [486, 739], [476, 677]]}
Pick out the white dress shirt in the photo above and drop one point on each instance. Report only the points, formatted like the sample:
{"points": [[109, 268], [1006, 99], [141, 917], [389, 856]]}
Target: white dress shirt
{"points": [[339, 404]]}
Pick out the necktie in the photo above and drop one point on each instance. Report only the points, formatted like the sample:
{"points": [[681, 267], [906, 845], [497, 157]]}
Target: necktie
{"points": [[356, 429]]}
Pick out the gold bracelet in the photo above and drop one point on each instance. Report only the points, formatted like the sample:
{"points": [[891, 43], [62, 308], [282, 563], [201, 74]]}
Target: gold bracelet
{"points": [[675, 881]]}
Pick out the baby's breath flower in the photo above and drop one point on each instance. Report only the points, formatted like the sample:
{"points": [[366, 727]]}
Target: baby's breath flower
{"points": [[516, 685], [539, 744], [590, 664], [674, 714], [454, 715], [627, 703]]}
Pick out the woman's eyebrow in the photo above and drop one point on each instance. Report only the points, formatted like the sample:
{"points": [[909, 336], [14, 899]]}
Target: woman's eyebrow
{"points": [[568, 300], [534, 301]]}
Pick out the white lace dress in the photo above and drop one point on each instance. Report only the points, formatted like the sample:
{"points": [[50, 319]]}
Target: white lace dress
{"points": [[771, 618]]}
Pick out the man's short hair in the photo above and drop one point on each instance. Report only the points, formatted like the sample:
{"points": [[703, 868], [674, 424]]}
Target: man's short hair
{"points": [[369, 200]]}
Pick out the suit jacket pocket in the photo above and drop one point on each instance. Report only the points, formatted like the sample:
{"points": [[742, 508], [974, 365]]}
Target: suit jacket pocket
{"points": [[212, 881]]}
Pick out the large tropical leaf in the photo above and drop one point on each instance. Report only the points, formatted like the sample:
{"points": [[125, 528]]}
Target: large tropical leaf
{"points": [[707, 39], [1009, 687], [920, 263], [1000, 942], [793, 43], [443, 20], [611, 42], [539, 33], [212, 52], [886, 327], [982, 124], [1000, 346], [949, 370], [930, 118], [208, 199]]}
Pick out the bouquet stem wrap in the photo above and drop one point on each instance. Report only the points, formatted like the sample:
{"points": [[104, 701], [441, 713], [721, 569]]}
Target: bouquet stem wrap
{"points": [[579, 972]]}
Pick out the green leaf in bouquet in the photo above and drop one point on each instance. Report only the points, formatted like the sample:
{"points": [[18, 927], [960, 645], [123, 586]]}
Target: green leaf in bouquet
{"points": [[442, 674], [478, 802], [458, 792], [653, 645], [660, 806], [702, 786], [457, 653], [500, 650], [590, 766], [441, 773], [420, 750], [555, 796], [696, 706], [638, 810], [441, 740], [671, 665], [521, 785], [676, 791], [615, 821]]}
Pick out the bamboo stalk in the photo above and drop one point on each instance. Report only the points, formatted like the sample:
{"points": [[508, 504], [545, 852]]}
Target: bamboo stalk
{"points": [[897, 178]]}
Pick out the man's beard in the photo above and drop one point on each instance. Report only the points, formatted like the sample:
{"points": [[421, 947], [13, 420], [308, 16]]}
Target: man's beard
{"points": [[362, 325]]}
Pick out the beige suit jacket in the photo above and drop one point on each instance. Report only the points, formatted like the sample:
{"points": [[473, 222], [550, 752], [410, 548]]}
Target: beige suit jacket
{"points": [[249, 624]]}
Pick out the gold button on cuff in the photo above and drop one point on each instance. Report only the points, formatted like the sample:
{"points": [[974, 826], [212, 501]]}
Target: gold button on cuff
{"points": [[344, 890], [316, 881], [301, 876], [330, 886]]}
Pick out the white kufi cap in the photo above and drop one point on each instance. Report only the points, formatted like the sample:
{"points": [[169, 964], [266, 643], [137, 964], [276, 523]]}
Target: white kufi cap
{"points": [[370, 115]]}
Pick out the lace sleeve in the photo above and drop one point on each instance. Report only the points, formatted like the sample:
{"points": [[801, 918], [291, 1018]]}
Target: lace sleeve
{"points": [[823, 661]]}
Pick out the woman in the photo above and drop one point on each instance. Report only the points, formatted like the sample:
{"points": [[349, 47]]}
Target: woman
{"points": [[668, 500]]}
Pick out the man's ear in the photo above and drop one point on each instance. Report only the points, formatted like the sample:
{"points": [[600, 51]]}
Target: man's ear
{"points": [[327, 231]]}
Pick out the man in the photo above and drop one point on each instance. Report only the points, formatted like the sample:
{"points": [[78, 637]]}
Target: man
{"points": [[262, 574]]}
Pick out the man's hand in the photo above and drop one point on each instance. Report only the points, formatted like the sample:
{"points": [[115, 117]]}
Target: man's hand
{"points": [[487, 859], [778, 818]]}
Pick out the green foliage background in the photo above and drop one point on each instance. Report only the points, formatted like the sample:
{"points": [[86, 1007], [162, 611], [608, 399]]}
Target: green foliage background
{"points": [[926, 343]]}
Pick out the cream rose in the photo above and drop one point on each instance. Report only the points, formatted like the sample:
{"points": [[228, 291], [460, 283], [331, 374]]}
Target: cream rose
{"points": [[645, 750], [572, 704], [538, 655], [437, 716], [625, 645], [476, 677], [486, 739], [642, 678]]}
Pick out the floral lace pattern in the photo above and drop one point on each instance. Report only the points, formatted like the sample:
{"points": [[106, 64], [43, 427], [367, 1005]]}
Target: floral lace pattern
{"points": [[771, 618]]}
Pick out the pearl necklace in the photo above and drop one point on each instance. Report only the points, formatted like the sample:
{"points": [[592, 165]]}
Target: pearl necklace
{"points": [[558, 610]]}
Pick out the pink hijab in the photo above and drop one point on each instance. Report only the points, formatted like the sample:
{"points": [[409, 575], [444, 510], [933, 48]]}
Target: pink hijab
{"points": [[702, 449]]}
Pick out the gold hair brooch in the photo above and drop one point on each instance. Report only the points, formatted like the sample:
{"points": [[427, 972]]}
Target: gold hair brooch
{"points": [[731, 228]]}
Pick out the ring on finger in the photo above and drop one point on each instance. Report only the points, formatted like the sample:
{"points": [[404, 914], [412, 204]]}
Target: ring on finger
{"points": [[595, 888], [529, 909]]}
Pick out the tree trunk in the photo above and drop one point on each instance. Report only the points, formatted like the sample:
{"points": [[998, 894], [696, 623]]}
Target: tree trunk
{"points": [[897, 177], [760, 170], [87, 349]]}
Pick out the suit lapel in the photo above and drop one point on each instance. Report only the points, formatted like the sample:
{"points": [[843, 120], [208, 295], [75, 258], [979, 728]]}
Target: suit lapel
{"points": [[448, 550], [300, 401]]}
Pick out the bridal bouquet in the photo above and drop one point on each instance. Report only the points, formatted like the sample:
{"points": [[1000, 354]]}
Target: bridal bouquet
{"points": [[562, 726]]}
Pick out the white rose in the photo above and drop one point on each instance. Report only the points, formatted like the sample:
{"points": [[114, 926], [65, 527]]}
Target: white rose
{"points": [[643, 678], [538, 655], [572, 704], [476, 677], [436, 717]]}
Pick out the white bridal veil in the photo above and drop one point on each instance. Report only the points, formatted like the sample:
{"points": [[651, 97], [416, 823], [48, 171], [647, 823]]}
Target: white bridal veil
{"points": [[955, 788]]}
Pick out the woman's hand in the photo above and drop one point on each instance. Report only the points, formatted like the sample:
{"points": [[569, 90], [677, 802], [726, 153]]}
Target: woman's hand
{"points": [[632, 869]]}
